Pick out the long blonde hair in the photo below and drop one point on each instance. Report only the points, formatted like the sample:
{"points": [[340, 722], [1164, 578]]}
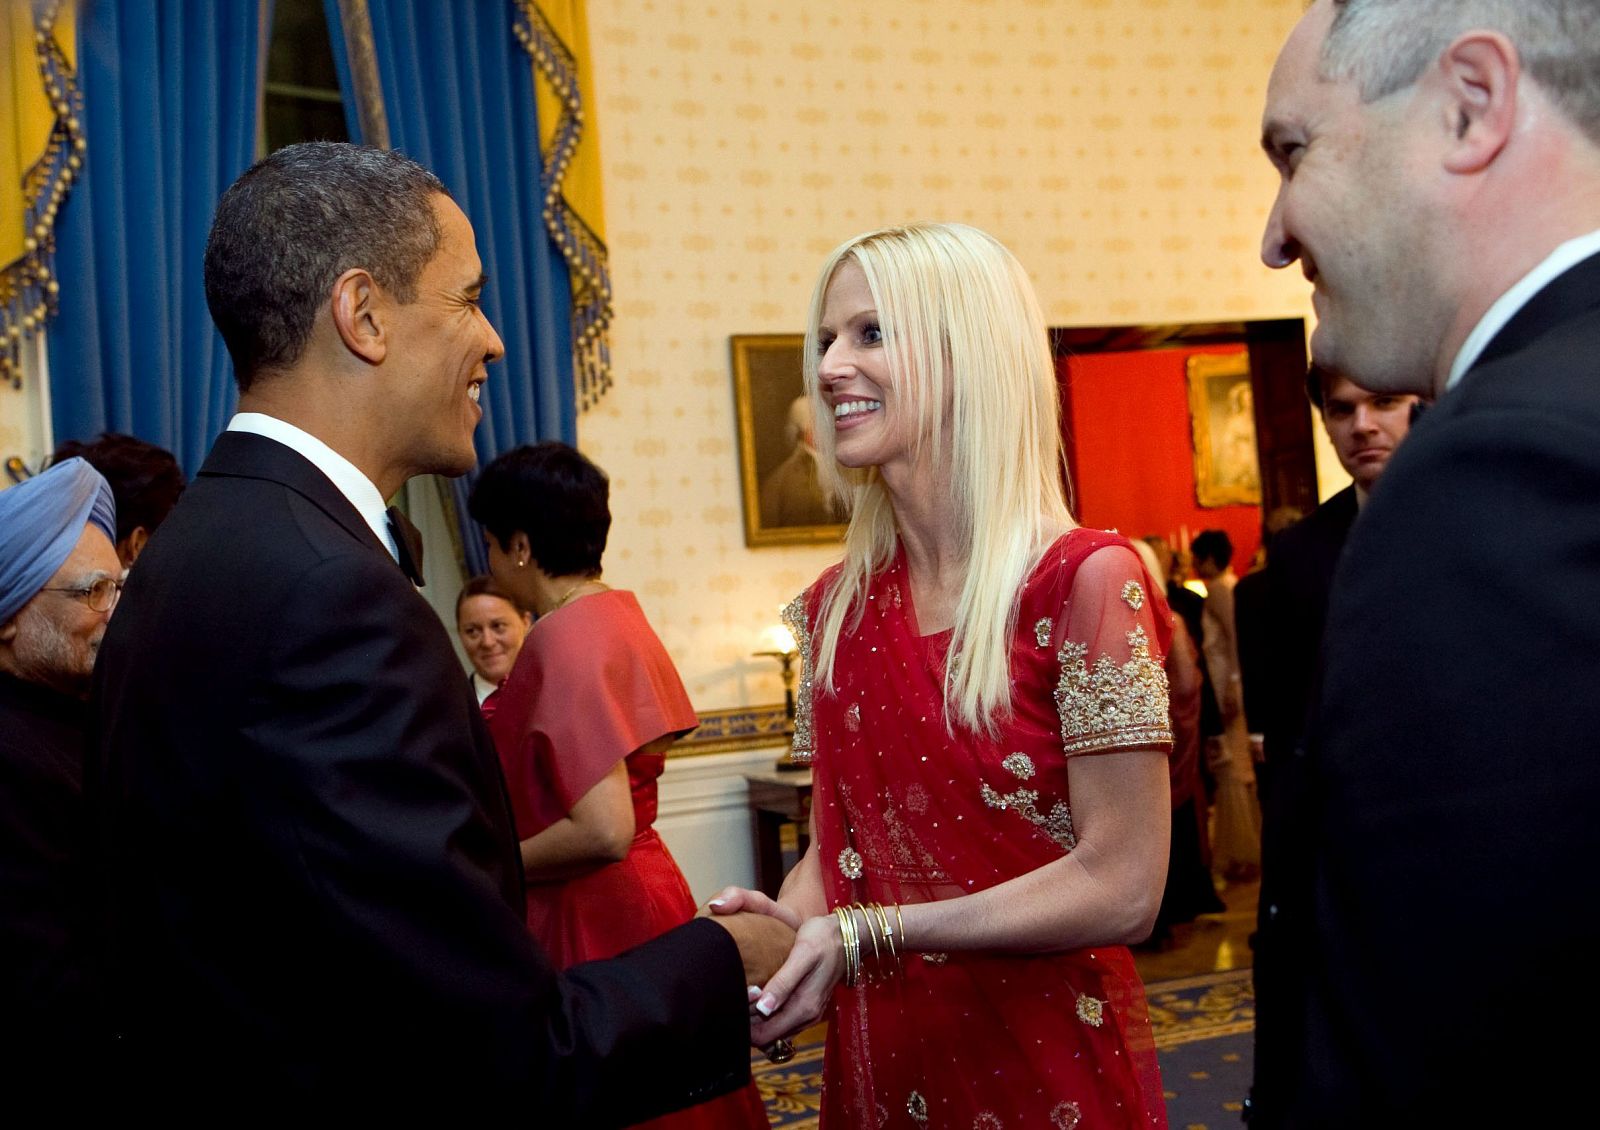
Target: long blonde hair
{"points": [[960, 323]]}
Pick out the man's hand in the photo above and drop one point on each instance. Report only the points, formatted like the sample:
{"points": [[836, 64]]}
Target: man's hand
{"points": [[764, 943]]}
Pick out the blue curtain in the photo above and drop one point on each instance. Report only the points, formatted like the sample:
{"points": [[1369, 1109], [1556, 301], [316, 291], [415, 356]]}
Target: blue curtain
{"points": [[457, 93], [170, 93]]}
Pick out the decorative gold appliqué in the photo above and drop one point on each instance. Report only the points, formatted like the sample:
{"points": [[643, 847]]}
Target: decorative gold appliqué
{"points": [[1066, 1116], [1042, 629], [1091, 1011], [802, 747], [935, 958], [917, 1108], [852, 718], [1112, 707], [1133, 594], [1019, 765], [850, 864], [988, 1120], [1057, 824]]}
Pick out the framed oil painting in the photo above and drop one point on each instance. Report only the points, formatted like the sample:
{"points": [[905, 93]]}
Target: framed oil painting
{"points": [[1222, 419], [783, 503]]}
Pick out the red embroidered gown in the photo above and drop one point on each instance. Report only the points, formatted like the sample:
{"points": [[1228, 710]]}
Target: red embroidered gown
{"points": [[907, 813], [592, 685]]}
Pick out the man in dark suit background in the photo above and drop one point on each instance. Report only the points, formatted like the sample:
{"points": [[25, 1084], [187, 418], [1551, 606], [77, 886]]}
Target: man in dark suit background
{"points": [[1365, 428], [1440, 187], [312, 889]]}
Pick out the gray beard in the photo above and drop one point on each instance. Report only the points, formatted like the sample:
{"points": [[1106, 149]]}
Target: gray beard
{"points": [[45, 654]]}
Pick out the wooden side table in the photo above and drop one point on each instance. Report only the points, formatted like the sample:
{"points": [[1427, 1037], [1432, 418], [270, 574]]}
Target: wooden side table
{"points": [[778, 798]]}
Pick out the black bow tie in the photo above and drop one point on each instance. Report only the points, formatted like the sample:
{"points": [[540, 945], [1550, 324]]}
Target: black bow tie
{"points": [[407, 544]]}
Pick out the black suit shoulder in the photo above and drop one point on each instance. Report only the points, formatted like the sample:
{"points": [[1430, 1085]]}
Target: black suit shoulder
{"points": [[1454, 778]]}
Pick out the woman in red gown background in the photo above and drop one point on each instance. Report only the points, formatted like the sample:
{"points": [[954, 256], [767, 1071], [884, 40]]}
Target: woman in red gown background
{"points": [[984, 705], [582, 725]]}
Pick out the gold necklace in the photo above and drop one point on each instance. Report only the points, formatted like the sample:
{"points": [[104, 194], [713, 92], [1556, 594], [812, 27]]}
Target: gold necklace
{"points": [[573, 591]]}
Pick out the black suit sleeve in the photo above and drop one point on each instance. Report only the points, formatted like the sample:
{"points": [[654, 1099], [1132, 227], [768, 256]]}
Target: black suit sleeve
{"points": [[360, 728]]}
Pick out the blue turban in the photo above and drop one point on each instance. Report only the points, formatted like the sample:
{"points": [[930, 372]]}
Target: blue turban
{"points": [[41, 520]]}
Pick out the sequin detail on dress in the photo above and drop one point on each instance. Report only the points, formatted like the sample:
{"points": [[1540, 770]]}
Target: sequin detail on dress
{"points": [[1091, 1011], [850, 865], [1133, 594], [1019, 765], [1025, 803], [917, 1108], [803, 744], [1066, 1116], [1110, 706], [1042, 629], [852, 718]]}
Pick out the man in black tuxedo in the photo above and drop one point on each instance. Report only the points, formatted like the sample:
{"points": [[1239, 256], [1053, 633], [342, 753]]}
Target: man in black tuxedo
{"points": [[1440, 168], [312, 890], [1365, 428]]}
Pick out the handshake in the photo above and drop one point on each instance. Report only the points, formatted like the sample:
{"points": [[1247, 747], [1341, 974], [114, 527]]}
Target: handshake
{"points": [[790, 965]]}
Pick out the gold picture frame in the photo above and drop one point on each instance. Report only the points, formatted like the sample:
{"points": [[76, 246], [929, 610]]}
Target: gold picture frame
{"points": [[782, 503], [1222, 419]]}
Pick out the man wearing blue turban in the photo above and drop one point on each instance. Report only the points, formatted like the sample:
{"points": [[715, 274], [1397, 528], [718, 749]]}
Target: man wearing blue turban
{"points": [[59, 580]]}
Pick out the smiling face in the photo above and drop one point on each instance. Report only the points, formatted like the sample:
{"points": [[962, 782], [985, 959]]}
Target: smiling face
{"points": [[440, 346], [1348, 211], [872, 425], [491, 632]]}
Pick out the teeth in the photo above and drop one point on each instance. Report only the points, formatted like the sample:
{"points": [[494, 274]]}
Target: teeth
{"points": [[472, 391], [855, 408]]}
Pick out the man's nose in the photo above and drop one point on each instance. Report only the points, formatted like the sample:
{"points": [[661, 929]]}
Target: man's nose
{"points": [[1278, 249]]}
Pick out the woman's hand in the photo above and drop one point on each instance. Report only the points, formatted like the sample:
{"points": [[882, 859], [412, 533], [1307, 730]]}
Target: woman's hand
{"points": [[798, 994], [732, 900]]}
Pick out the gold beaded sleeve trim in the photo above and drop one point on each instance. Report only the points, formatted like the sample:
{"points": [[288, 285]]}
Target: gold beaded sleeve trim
{"points": [[1108, 706], [803, 747]]}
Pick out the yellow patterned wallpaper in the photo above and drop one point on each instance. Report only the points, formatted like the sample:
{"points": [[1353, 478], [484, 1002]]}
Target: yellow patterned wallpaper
{"points": [[1112, 144]]}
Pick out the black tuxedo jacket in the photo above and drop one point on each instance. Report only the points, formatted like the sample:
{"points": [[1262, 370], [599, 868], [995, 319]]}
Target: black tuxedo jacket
{"points": [[1452, 824], [312, 884]]}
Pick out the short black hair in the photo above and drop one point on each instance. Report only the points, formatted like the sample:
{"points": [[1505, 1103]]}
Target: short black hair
{"points": [[145, 479], [556, 497], [1317, 380], [485, 585], [1213, 545], [293, 223]]}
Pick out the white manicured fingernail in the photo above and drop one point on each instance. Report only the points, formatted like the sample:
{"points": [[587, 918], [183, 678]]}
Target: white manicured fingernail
{"points": [[752, 992], [767, 1005], [716, 902]]}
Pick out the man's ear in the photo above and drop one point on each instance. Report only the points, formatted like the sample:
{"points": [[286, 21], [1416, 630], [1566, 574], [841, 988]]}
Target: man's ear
{"points": [[129, 548], [520, 550], [358, 315], [8, 630], [1480, 72]]}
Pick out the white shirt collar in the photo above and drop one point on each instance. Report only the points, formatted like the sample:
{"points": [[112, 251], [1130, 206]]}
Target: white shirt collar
{"points": [[483, 687], [343, 474], [1559, 261]]}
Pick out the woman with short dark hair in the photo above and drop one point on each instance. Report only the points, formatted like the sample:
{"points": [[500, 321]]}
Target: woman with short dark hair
{"points": [[582, 726]]}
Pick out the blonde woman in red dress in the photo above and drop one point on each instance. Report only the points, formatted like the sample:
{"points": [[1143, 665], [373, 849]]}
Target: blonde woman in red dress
{"points": [[582, 725], [985, 709]]}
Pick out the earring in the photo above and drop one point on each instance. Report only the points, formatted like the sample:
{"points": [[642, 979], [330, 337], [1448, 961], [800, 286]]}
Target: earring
{"points": [[522, 562]]}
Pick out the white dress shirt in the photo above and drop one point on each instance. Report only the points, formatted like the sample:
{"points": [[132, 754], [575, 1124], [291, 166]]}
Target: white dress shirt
{"points": [[1558, 262], [343, 474]]}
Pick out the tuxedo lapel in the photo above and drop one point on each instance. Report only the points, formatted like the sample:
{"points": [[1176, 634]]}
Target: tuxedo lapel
{"points": [[1569, 295], [250, 456]]}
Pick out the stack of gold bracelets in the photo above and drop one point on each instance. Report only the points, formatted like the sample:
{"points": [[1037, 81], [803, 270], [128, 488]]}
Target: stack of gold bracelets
{"points": [[888, 942]]}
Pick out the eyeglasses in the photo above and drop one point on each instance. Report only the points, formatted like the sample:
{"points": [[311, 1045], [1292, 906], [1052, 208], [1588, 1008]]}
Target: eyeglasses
{"points": [[102, 596]]}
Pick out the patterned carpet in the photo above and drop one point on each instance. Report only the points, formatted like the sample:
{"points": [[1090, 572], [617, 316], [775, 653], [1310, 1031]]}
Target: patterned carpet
{"points": [[1203, 1028]]}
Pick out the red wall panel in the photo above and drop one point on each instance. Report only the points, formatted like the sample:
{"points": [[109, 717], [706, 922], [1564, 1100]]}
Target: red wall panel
{"points": [[1133, 453]]}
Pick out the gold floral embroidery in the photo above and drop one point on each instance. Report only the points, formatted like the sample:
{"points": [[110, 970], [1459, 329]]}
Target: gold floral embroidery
{"points": [[987, 1120], [916, 800], [894, 595], [1019, 765], [917, 1108], [935, 958], [1042, 630], [1112, 707], [803, 745], [1133, 593], [850, 863], [1025, 803], [1092, 1012], [1066, 1116], [852, 718]]}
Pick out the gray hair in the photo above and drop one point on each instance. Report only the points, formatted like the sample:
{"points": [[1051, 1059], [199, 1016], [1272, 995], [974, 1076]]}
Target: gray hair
{"points": [[1386, 45], [292, 224]]}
